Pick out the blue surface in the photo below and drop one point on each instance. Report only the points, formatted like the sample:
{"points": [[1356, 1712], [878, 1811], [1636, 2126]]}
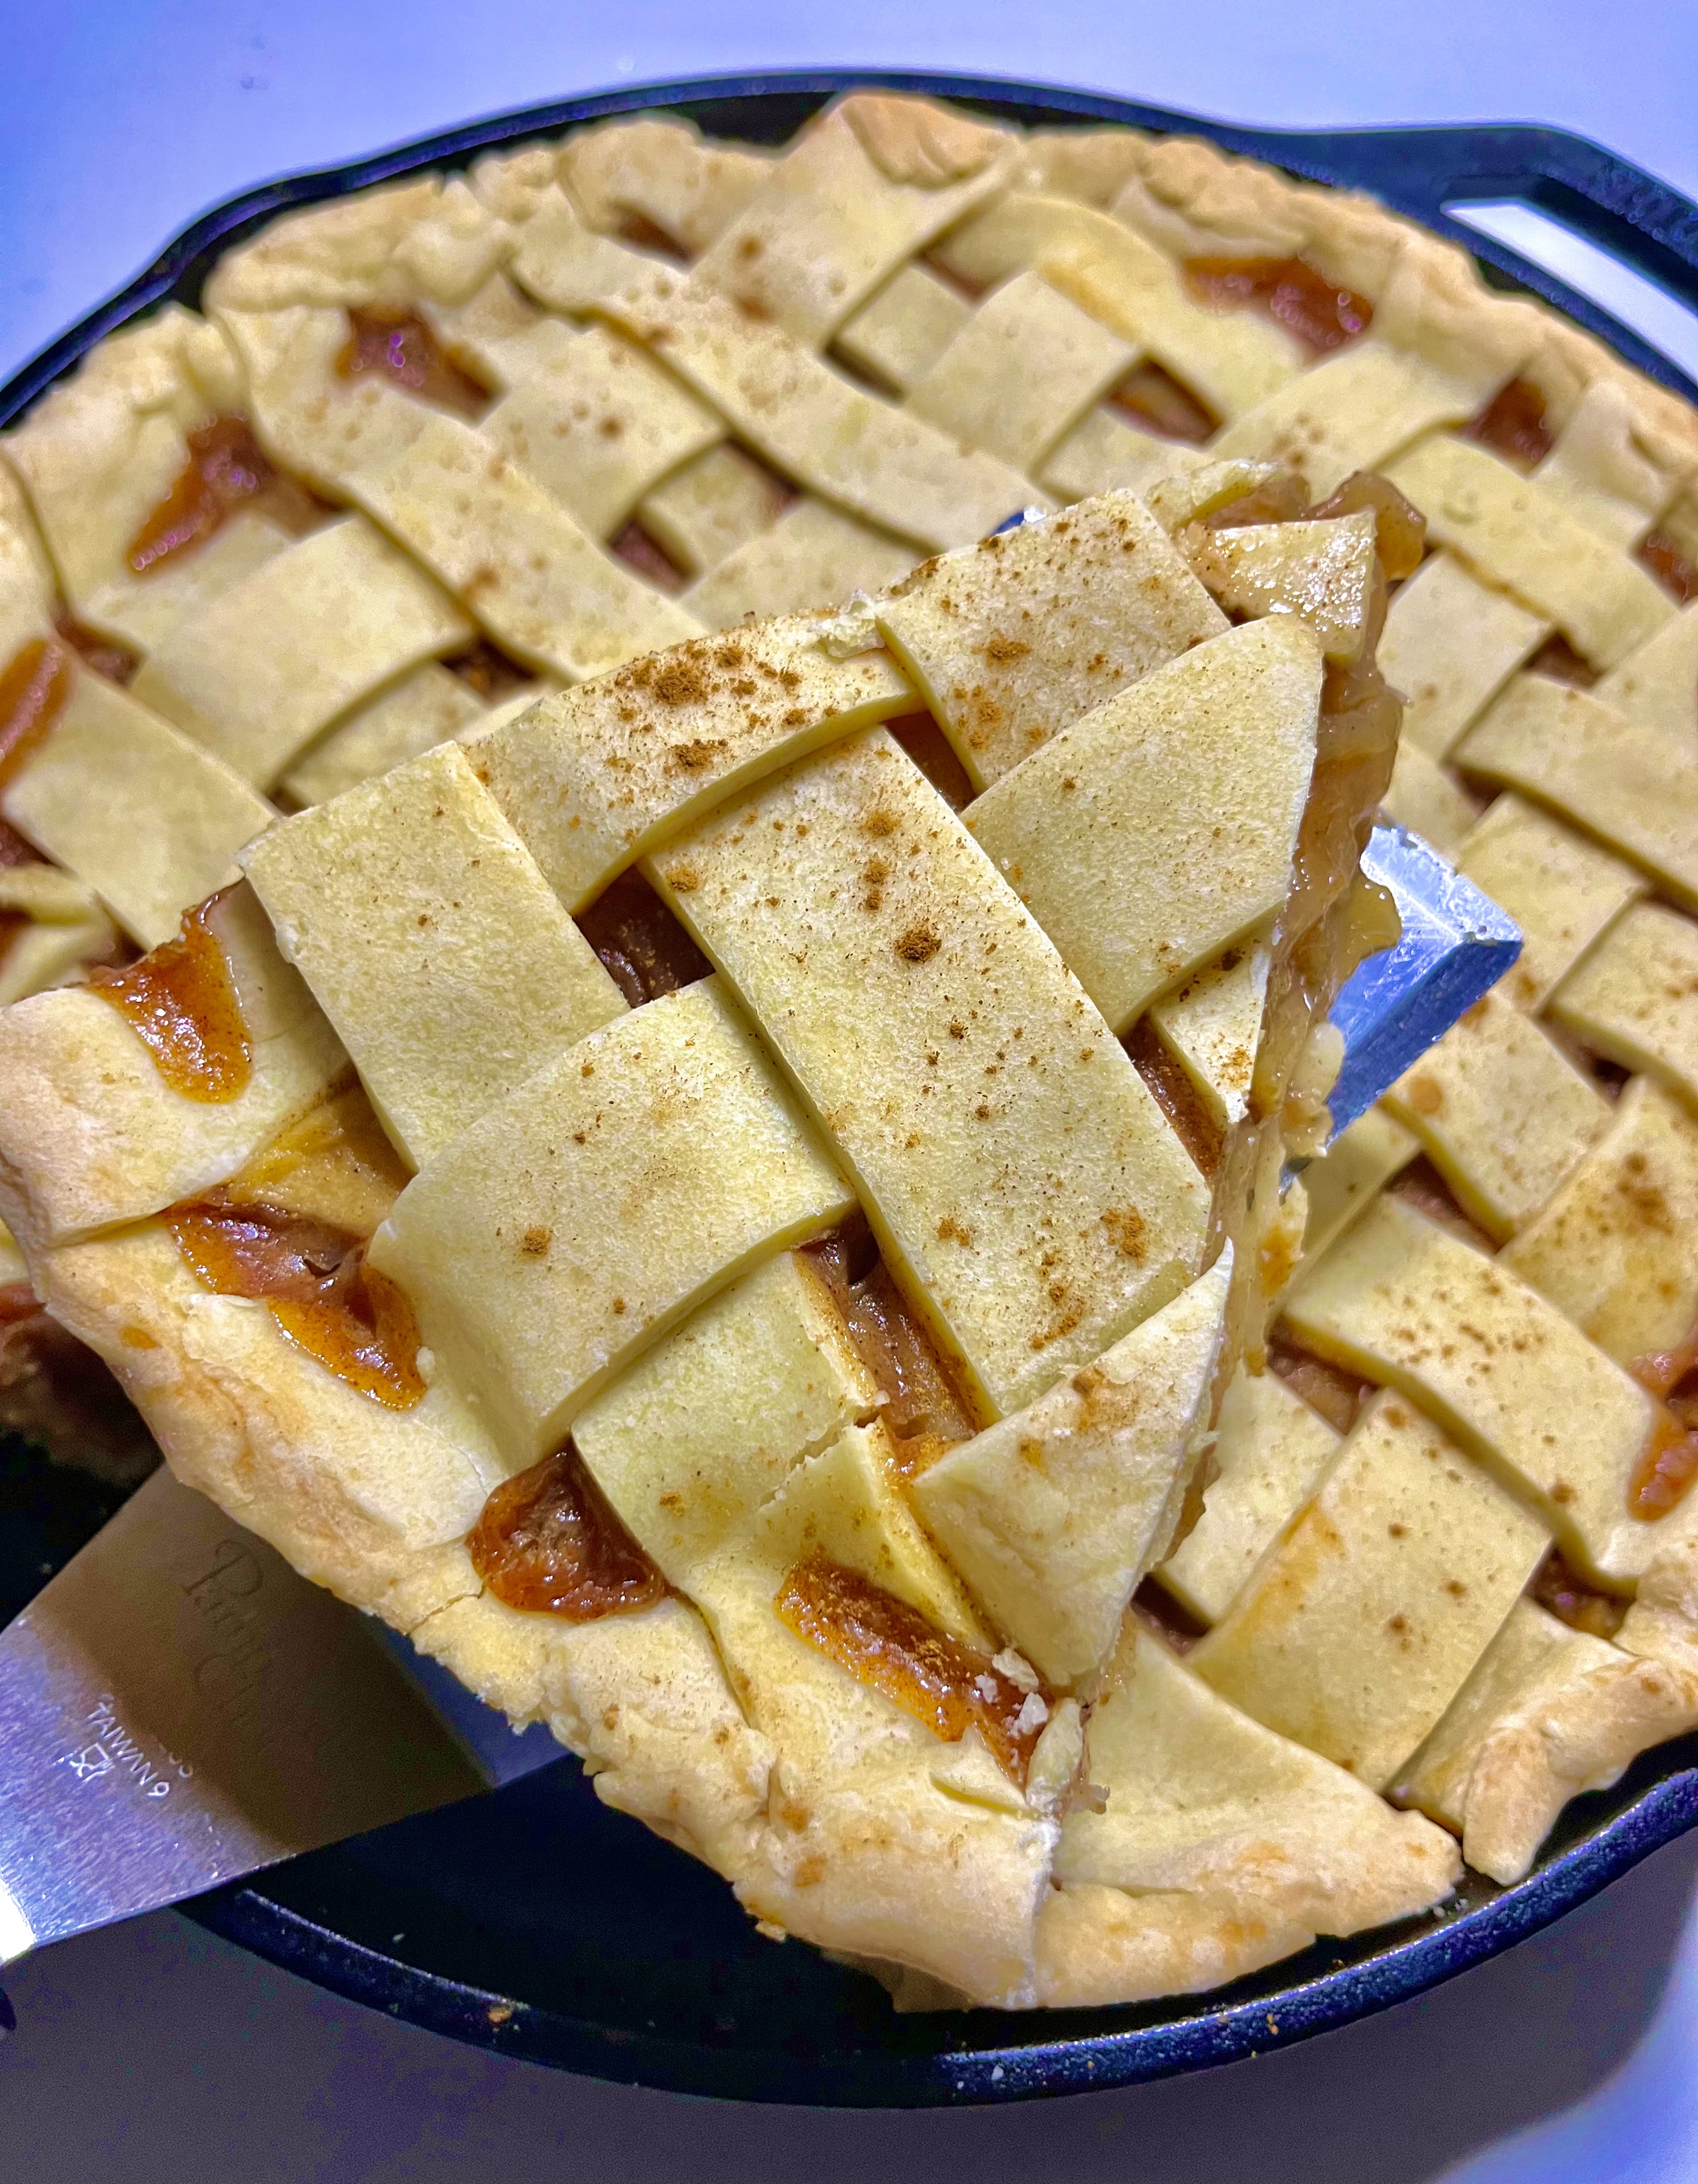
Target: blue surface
{"points": [[121, 124]]}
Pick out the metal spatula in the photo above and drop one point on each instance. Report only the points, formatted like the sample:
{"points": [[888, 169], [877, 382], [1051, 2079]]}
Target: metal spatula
{"points": [[178, 1708]]}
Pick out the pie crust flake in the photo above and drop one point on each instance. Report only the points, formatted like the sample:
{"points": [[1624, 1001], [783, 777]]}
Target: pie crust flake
{"points": [[743, 773]]}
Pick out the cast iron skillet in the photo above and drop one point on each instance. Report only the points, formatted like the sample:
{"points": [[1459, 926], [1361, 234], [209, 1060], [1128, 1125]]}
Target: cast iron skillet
{"points": [[534, 1921]]}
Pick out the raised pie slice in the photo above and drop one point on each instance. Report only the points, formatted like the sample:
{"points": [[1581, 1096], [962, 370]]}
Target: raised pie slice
{"points": [[872, 1296], [729, 1165]]}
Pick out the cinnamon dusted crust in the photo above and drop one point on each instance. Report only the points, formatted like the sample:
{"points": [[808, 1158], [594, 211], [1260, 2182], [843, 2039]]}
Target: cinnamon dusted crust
{"points": [[906, 257]]}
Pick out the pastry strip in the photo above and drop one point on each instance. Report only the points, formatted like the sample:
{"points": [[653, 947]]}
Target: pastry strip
{"points": [[1013, 1164], [641, 1171], [433, 942], [1358, 1629], [1399, 1299], [275, 658]]}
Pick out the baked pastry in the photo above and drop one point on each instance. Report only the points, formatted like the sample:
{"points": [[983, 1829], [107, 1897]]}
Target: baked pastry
{"points": [[720, 1166]]}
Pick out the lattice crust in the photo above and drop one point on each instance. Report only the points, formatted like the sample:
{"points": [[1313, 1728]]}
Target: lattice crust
{"points": [[520, 431]]}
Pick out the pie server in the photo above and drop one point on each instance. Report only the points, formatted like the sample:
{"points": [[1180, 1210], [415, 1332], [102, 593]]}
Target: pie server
{"points": [[178, 1708]]}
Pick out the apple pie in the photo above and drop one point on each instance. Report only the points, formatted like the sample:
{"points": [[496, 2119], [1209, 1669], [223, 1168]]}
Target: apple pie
{"points": [[679, 823]]}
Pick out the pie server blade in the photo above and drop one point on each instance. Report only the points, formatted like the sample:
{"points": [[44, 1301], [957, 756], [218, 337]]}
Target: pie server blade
{"points": [[1456, 944], [179, 1708]]}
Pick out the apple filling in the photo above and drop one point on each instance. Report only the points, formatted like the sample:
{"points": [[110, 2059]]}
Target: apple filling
{"points": [[920, 1404], [182, 1003], [290, 1232], [321, 1292], [548, 1542], [401, 349], [35, 686], [227, 470], [882, 1641], [1289, 290]]}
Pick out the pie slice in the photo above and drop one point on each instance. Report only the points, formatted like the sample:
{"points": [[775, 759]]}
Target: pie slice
{"points": [[742, 772], [869, 1300]]}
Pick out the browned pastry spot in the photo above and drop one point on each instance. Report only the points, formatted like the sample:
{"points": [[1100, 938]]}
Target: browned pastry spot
{"points": [[34, 688], [879, 1639], [182, 1003], [356, 1322], [924, 1410], [1320, 314], [399, 346], [1512, 425], [1160, 403], [548, 1542], [644, 949], [227, 468]]}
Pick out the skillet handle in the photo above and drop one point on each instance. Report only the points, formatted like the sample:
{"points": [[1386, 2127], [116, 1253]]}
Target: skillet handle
{"points": [[1617, 205], [1640, 220]]}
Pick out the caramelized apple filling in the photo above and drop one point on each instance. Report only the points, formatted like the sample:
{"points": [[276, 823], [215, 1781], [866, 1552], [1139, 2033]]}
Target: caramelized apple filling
{"points": [[182, 1003], [1672, 568], [1422, 1186], [1564, 1593], [643, 948], [400, 348], [934, 753], [314, 1277], [1557, 658], [639, 550], [1289, 290], [1155, 400], [548, 1542], [1669, 1464], [919, 1402], [107, 655], [332, 1164], [643, 233], [227, 469], [1176, 1094], [34, 688], [882, 1641], [488, 670], [1512, 425], [290, 1231], [1338, 1396]]}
